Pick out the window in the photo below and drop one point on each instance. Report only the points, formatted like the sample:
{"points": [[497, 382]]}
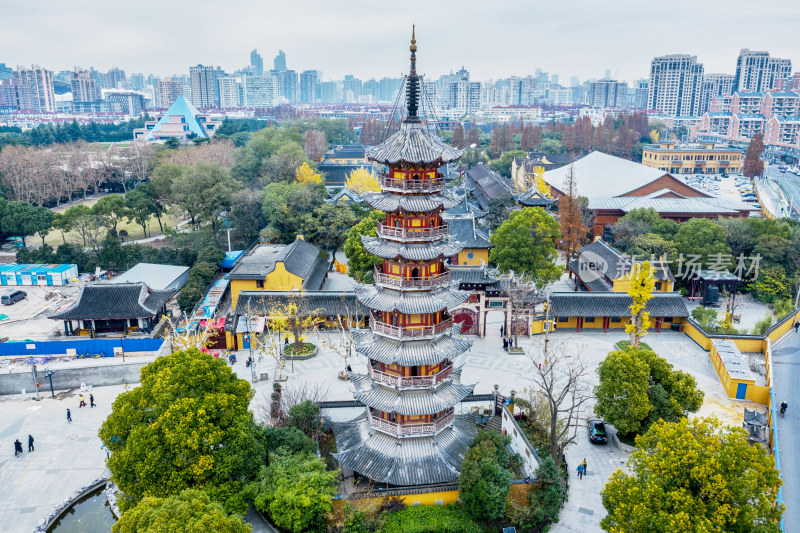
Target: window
{"points": [[615, 319], [563, 319], [470, 256], [260, 284], [588, 319], [658, 285]]}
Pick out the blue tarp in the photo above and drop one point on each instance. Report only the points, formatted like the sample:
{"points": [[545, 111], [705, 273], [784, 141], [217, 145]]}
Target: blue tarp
{"points": [[81, 346]]}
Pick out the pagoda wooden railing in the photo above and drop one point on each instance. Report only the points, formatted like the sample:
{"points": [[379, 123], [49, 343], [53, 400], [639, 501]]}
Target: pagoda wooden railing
{"points": [[397, 281], [411, 185], [410, 381], [410, 332], [406, 430], [417, 234]]}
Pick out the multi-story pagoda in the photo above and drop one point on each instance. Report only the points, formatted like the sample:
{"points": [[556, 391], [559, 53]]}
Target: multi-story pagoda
{"points": [[409, 433]]}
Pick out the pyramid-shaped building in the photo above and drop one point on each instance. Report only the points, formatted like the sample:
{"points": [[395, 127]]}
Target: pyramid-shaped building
{"points": [[409, 433], [183, 121]]}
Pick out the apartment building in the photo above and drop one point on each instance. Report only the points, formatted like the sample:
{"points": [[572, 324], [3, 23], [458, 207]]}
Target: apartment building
{"points": [[676, 83], [756, 71]]}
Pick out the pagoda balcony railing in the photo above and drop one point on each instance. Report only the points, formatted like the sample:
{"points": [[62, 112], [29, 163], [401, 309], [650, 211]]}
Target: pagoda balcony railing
{"points": [[411, 185], [410, 430], [410, 381], [410, 332], [397, 281], [413, 234]]}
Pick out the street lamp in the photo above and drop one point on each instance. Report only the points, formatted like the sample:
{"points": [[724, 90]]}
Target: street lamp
{"points": [[49, 375]]}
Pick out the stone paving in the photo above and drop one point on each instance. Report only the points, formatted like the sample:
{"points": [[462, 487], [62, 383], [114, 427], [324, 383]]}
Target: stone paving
{"points": [[69, 455]]}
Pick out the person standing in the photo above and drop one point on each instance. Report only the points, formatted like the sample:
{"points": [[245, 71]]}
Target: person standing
{"points": [[17, 447], [91, 400], [82, 401], [30, 443], [505, 344], [796, 326], [69, 416], [580, 471], [585, 466]]}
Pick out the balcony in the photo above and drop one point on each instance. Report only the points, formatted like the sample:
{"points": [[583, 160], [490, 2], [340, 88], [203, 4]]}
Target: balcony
{"points": [[723, 163], [410, 332], [410, 430], [411, 185], [700, 163], [395, 281], [410, 381], [676, 162], [413, 234]]}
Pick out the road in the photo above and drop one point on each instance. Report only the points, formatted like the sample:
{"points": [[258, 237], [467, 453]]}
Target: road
{"points": [[790, 185], [787, 373]]}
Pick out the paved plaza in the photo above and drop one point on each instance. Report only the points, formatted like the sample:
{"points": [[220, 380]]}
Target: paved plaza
{"points": [[68, 456]]}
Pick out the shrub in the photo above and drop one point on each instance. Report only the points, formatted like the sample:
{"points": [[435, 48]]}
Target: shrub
{"points": [[763, 325], [431, 519], [485, 476]]}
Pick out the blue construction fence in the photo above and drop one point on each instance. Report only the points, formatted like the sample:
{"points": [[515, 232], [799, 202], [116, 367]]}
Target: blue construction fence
{"points": [[105, 347]]}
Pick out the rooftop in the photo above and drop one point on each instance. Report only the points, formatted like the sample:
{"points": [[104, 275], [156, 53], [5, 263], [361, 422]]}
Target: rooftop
{"points": [[181, 108], [614, 304], [108, 301], [157, 277], [299, 258]]}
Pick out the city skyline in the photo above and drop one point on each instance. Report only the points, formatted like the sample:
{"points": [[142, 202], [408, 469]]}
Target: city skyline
{"points": [[354, 38]]}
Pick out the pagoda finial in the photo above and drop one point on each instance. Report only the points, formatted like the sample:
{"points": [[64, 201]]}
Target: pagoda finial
{"points": [[413, 81]]}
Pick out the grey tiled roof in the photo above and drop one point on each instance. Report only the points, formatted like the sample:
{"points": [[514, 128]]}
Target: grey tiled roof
{"points": [[113, 301], [486, 184], [693, 204], [465, 207], [300, 258], [466, 232], [410, 461], [614, 304], [414, 252], [412, 143], [613, 263], [312, 303], [533, 198], [388, 202], [410, 402], [409, 353], [472, 275], [414, 302]]}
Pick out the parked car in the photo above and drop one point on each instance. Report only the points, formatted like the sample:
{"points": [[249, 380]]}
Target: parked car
{"points": [[12, 297], [597, 431]]}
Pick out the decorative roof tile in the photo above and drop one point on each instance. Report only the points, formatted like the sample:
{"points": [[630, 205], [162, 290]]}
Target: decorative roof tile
{"points": [[409, 353], [114, 301], [413, 144], [431, 301], [614, 304]]}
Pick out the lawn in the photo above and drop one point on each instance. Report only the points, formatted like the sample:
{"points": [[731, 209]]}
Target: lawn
{"points": [[134, 230]]}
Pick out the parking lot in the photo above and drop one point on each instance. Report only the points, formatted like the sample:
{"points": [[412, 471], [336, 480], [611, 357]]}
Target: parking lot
{"points": [[27, 319], [731, 187]]}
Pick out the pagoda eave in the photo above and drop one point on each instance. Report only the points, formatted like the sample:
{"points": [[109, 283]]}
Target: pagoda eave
{"points": [[412, 252], [409, 402], [390, 202], [435, 300], [409, 353]]}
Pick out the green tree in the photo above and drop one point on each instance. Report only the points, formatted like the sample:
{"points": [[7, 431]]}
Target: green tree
{"points": [[246, 215], [638, 222], [139, 207], [526, 244], [551, 146], [545, 497], [171, 143], [694, 475], [328, 225], [186, 426], [189, 511], [295, 490], [500, 207], [703, 239], [112, 209], [305, 417], [286, 204], [21, 219], [486, 477], [271, 155], [502, 164], [360, 263], [204, 191]]}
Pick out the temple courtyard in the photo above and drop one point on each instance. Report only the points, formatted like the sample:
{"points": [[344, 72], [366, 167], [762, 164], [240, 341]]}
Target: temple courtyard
{"points": [[69, 455]]}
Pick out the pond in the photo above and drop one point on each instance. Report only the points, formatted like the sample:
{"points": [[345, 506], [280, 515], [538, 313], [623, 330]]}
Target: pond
{"points": [[90, 514]]}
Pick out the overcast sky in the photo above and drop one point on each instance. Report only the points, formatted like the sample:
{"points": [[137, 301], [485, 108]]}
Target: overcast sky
{"points": [[369, 38]]}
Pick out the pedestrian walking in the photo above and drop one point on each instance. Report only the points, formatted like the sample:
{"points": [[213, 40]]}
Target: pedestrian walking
{"points": [[580, 471], [83, 401], [502, 330], [91, 400], [511, 342], [17, 447], [69, 416], [585, 466], [30, 443], [505, 344], [796, 326]]}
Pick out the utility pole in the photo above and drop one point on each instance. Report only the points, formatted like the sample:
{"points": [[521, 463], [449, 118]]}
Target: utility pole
{"points": [[35, 381]]}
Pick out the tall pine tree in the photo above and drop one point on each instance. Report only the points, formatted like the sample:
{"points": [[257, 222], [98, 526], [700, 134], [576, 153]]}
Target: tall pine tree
{"points": [[753, 165]]}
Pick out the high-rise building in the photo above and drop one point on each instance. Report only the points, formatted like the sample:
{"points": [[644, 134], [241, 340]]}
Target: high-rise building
{"points": [[5, 72], [257, 63], [84, 86], [110, 79], [280, 61], [758, 72], [169, 90], [34, 88], [608, 93], [137, 82], [352, 88], [389, 88], [260, 91], [640, 94], [308, 86], [676, 83], [128, 102], [287, 85], [463, 95], [228, 92], [718, 85], [203, 80]]}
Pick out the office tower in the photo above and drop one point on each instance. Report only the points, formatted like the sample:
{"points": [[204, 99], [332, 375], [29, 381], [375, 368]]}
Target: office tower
{"points": [[758, 72], [203, 86], [608, 93], [280, 61], [84, 87], [34, 88], [607, 74], [574, 81], [554, 79], [308, 86], [110, 79], [352, 88], [640, 94], [287, 85], [260, 91], [169, 90], [128, 102], [676, 83], [389, 88], [464, 95], [137, 82], [328, 92], [371, 89], [5, 72], [257, 63], [521, 90], [228, 92]]}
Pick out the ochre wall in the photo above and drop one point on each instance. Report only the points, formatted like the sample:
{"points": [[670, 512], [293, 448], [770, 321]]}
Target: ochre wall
{"points": [[481, 254], [279, 279]]}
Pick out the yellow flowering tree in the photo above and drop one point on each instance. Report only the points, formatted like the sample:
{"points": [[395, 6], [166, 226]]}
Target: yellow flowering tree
{"points": [[538, 179], [694, 475], [306, 175], [642, 284], [362, 180]]}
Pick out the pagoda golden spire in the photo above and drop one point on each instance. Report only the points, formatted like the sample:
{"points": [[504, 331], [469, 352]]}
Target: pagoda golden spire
{"points": [[413, 39]]}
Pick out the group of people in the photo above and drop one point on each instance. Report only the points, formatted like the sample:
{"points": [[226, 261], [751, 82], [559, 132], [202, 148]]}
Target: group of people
{"points": [[83, 401], [18, 446], [583, 469], [508, 342]]}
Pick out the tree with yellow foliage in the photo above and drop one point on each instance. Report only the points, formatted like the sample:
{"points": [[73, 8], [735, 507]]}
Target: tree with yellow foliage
{"points": [[642, 284], [655, 135], [306, 175], [538, 180], [362, 180]]}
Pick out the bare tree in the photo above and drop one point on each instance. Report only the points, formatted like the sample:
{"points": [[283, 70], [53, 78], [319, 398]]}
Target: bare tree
{"points": [[291, 395], [523, 295], [316, 144], [560, 376], [139, 160], [217, 151]]}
